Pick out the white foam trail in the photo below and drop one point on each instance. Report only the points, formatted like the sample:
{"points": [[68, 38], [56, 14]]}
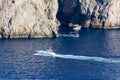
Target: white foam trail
{"points": [[67, 35], [98, 59], [88, 58]]}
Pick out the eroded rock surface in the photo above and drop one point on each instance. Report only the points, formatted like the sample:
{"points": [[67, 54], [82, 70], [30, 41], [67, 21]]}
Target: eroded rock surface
{"points": [[90, 13], [37, 18], [28, 18]]}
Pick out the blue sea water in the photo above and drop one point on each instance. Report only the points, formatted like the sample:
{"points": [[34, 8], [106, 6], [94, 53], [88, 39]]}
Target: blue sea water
{"points": [[95, 55]]}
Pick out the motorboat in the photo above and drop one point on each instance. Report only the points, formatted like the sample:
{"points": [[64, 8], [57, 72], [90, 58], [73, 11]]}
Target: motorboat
{"points": [[74, 34], [49, 52]]}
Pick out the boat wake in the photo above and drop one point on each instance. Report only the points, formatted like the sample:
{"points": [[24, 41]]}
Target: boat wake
{"points": [[87, 58], [68, 35]]}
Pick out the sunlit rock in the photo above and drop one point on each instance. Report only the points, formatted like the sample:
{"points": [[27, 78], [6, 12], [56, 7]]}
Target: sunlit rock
{"points": [[28, 18]]}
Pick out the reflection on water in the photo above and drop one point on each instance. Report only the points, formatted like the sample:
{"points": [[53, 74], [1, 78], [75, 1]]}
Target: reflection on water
{"points": [[18, 62]]}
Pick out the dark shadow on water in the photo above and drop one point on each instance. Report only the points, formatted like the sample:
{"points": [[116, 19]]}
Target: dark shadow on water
{"points": [[65, 30]]}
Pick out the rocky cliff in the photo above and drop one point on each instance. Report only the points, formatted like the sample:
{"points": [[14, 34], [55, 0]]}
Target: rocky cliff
{"points": [[28, 18], [90, 13], [37, 18]]}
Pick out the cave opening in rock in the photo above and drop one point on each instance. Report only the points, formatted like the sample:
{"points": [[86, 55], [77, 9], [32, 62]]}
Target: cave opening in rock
{"points": [[68, 16], [13, 1]]}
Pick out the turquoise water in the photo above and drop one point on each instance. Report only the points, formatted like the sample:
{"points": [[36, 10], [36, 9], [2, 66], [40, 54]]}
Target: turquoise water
{"points": [[95, 55]]}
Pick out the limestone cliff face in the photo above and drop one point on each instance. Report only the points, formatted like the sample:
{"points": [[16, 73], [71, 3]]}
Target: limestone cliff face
{"points": [[90, 13], [28, 18], [37, 18]]}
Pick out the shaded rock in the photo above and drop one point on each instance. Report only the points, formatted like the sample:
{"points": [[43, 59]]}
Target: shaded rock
{"points": [[90, 13]]}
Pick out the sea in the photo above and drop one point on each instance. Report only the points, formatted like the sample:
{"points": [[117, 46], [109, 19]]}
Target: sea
{"points": [[94, 55]]}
